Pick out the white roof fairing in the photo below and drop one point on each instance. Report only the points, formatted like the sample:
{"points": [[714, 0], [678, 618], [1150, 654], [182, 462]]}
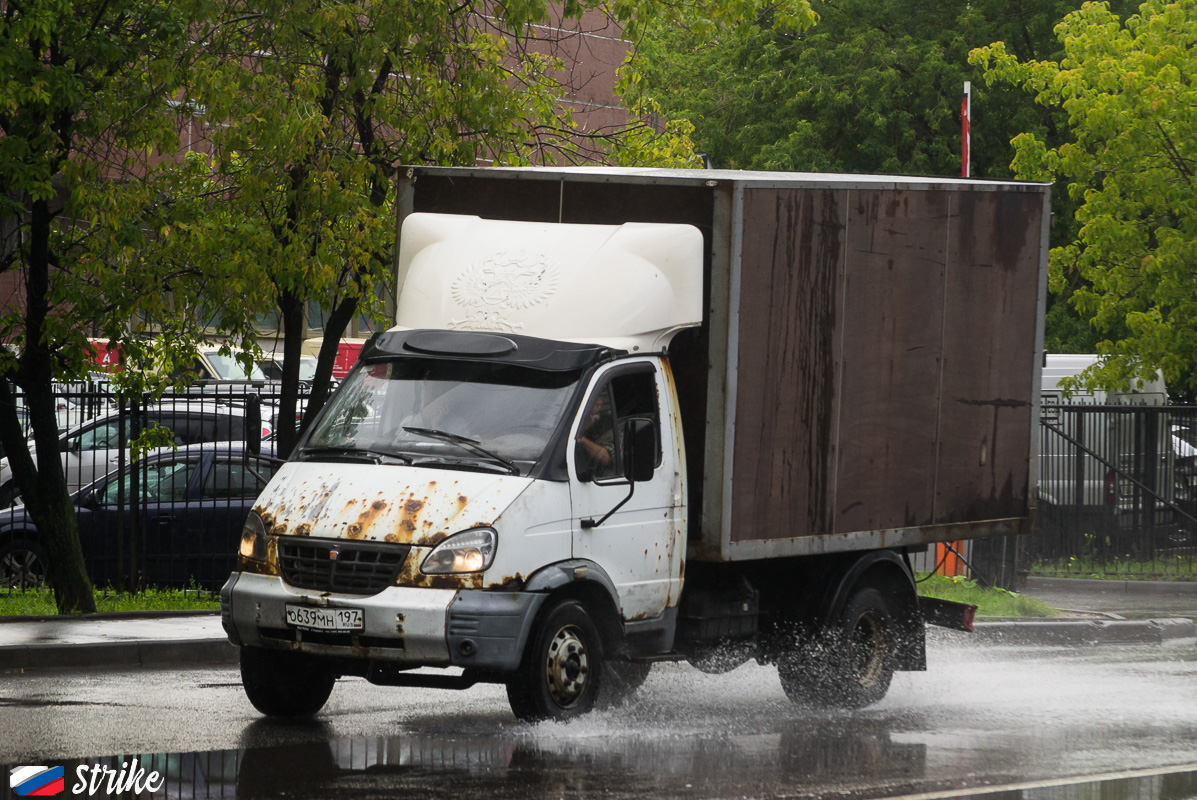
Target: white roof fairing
{"points": [[630, 286]]}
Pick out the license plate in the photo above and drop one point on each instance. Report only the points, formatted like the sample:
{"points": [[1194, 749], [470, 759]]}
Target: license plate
{"points": [[325, 619]]}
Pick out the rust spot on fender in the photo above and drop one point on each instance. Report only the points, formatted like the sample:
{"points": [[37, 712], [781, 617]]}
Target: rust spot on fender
{"points": [[304, 529], [433, 540], [472, 581], [510, 583]]}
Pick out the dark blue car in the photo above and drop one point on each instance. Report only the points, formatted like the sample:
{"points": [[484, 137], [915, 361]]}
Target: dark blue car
{"points": [[192, 506]]}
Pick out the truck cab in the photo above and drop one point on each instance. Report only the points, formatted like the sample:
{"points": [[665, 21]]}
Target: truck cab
{"points": [[464, 485]]}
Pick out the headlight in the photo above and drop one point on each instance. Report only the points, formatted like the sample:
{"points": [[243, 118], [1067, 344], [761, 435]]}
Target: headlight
{"points": [[253, 538], [468, 551]]}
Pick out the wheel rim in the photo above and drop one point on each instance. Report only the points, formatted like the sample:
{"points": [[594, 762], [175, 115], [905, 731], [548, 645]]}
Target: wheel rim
{"points": [[867, 648], [21, 569], [567, 666]]}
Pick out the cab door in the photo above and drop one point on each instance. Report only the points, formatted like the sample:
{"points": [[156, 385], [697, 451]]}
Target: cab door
{"points": [[639, 545]]}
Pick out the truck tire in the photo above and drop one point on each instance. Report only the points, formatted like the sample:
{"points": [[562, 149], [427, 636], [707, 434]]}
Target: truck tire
{"points": [[281, 684], [22, 564], [562, 667], [851, 664]]}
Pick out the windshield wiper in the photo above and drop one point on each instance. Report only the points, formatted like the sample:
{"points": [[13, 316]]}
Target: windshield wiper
{"points": [[468, 443], [370, 455]]}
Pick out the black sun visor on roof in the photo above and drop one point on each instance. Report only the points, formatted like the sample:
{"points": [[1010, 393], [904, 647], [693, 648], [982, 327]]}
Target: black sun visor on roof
{"points": [[525, 351]]}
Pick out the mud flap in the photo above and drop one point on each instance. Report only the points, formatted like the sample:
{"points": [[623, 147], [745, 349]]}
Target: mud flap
{"points": [[947, 614]]}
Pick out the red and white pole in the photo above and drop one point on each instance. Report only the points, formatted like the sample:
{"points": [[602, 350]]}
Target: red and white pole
{"points": [[966, 112]]}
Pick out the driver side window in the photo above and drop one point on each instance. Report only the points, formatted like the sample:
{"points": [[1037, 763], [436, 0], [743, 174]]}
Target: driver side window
{"points": [[594, 449], [598, 448]]}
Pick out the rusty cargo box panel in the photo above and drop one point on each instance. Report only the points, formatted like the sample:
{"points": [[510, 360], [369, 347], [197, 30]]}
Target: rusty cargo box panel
{"points": [[864, 376], [790, 300], [884, 383], [985, 411], [891, 333]]}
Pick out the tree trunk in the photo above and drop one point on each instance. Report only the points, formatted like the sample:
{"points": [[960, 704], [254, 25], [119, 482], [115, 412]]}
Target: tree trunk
{"points": [[291, 310], [43, 486], [334, 329]]}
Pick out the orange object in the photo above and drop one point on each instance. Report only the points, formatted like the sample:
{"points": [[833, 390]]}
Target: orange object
{"points": [[950, 563]]}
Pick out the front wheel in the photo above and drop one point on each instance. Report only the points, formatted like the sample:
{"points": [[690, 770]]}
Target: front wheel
{"points": [[562, 667], [282, 684], [851, 664], [22, 564]]}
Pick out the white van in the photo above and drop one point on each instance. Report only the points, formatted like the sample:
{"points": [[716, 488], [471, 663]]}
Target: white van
{"points": [[1085, 432]]}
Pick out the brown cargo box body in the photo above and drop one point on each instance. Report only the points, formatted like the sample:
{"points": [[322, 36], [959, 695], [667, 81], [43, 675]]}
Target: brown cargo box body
{"points": [[872, 345], [886, 352]]}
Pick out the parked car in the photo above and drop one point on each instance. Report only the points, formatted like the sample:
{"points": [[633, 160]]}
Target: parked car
{"points": [[193, 503], [93, 448], [212, 365], [271, 365]]}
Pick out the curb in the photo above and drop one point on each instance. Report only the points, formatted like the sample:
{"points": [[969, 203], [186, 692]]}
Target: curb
{"points": [[1158, 588], [1086, 632], [147, 653], [111, 616]]}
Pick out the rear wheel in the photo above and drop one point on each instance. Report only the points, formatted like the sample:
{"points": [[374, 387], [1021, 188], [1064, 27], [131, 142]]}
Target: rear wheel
{"points": [[562, 667], [22, 564], [281, 684], [851, 664]]}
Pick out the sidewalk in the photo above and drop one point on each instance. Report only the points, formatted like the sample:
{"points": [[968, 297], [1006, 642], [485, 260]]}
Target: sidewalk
{"points": [[115, 640], [1100, 612]]}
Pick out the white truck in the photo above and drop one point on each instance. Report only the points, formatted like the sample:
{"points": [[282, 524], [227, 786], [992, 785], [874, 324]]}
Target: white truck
{"points": [[627, 416]]}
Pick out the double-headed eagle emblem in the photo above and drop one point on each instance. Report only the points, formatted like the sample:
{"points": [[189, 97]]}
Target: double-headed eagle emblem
{"points": [[498, 287]]}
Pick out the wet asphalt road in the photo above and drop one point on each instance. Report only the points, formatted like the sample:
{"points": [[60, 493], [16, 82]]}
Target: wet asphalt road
{"points": [[979, 717]]}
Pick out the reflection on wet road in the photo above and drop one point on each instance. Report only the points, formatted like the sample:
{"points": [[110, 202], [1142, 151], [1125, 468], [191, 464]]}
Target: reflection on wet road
{"points": [[976, 719]]}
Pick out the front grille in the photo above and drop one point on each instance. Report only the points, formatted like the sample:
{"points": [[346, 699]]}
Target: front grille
{"points": [[357, 567]]}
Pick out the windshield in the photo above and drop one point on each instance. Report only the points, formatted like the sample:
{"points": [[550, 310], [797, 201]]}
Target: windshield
{"points": [[489, 416], [228, 368]]}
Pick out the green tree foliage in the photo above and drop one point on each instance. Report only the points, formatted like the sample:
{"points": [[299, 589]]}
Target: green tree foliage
{"points": [[873, 87], [1127, 89], [311, 109], [85, 218], [314, 107]]}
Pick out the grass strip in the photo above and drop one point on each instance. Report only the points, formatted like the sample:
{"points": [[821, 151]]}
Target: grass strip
{"points": [[39, 601], [989, 602]]}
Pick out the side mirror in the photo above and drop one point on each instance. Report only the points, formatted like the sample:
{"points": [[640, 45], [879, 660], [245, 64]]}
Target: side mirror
{"points": [[639, 449], [253, 424]]}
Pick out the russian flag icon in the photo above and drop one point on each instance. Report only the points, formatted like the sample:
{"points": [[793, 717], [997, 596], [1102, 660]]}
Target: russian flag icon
{"points": [[37, 781]]}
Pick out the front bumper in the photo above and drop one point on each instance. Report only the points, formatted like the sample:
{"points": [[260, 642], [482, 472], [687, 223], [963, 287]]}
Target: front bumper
{"points": [[408, 626], [400, 624]]}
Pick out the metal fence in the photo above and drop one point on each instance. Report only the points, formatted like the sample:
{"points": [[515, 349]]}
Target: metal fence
{"points": [[161, 488], [1117, 492]]}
